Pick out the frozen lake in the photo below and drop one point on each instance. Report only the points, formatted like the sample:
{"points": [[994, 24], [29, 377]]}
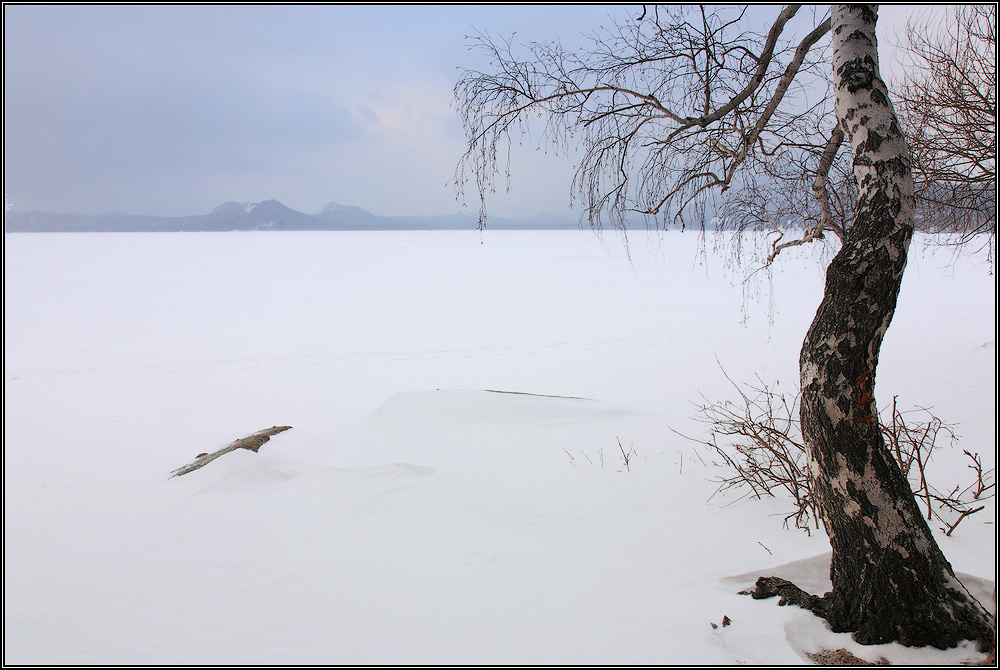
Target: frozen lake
{"points": [[411, 515]]}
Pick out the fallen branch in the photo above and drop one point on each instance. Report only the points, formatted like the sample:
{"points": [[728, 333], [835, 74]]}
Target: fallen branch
{"points": [[251, 442]]}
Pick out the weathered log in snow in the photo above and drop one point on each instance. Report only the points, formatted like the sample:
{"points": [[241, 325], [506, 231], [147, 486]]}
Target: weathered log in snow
{"points": [[251, 442]]}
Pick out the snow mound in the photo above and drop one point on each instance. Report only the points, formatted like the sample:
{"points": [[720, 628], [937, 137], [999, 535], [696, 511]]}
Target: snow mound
{"points": [[809, 574], [460, 407], [808, 634], [484, 430], [244, 471]]}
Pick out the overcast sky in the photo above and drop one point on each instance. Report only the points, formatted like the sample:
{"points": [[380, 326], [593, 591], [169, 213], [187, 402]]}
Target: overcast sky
{"points": [[171, 110]]}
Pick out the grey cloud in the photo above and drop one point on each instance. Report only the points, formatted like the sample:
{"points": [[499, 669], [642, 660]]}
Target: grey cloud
{"points": [[172, 109], [85, 116]]}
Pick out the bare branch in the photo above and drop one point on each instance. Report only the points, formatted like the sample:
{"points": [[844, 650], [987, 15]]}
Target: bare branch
{"points": [[667, 111], [948, 107]]}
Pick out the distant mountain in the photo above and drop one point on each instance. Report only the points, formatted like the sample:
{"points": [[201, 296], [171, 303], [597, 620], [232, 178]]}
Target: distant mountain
{"points": [[267, 215], [345, 217]]}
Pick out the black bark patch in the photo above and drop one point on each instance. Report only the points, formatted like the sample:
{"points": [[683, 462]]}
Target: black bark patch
{"points": [[874, 141], [878, 97], [856, 74], [868, 13], [860, 35]]}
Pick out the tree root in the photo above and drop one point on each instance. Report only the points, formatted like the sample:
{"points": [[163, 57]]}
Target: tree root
{"points": [[824, 608], [768, 587]]}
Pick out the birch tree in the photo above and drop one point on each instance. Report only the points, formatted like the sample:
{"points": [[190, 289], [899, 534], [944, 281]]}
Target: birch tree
{"points": [[685, 102]]}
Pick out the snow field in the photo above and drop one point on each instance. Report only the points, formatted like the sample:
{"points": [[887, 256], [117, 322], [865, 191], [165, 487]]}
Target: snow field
{"points": [[414, 514]]}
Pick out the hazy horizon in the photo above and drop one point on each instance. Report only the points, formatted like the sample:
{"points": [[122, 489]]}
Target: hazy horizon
{"points": [[466, 211]]}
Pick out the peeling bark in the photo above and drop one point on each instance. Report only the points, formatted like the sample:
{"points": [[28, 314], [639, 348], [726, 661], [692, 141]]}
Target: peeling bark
{"points": [[891, 581]]}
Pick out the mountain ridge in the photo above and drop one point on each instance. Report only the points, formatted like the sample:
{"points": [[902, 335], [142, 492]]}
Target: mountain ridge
{"points": [[268, 215]]}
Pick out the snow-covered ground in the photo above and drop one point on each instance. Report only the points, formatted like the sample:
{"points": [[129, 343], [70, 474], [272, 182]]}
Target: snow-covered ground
{"points": [[415, 514]]}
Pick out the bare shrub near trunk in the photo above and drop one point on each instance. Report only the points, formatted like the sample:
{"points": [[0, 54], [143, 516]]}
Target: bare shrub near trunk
{"points": [[758, 442]]}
